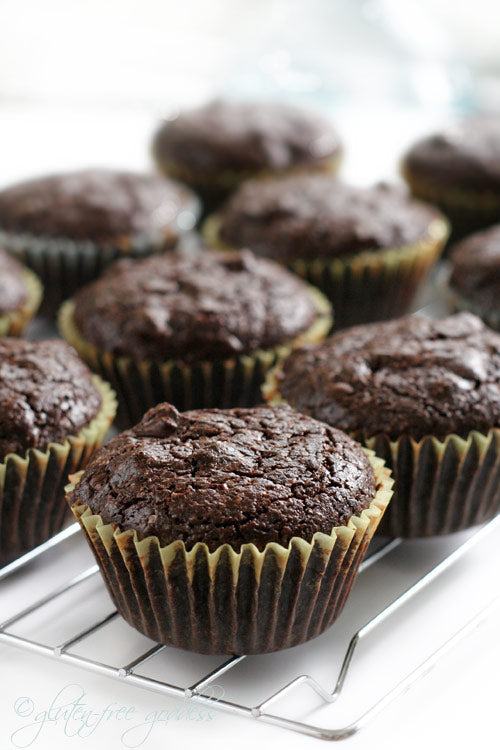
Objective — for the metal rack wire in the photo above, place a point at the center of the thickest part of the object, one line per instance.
(262, 711)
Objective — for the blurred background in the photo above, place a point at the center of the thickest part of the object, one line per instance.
(85, 82)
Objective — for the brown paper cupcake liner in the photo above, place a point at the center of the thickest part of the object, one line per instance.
(13, 323)
(227, 602)
(210, 384)
(370, 286)
(468, 210)
(64, 265)
(440, 486)
(32, 506)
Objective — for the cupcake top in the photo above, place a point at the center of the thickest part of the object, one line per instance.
(195, 307)
(13, 290)
(315, 215)
(475, 266)
(245, 136)
(410, 376)
(232, 477)
(465, 155)
(46, 394)
(98, 204)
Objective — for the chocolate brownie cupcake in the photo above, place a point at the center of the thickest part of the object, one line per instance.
(475, 275)
(236, 531)
(53, 415)
(425, 395)
(194, 329)
(367, 249)
(459, 171)
(215, 147)
(20, 296)
(67, 227)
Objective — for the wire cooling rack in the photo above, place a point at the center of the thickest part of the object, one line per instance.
(265, 710)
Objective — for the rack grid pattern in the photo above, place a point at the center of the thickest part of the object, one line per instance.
(264, 710)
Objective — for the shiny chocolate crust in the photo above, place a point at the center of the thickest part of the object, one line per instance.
(245, 136)
(315, 216)
(46, 394)
(232, 477)
(96, 204)
(475, 274)
(13, 290)
(411, 376)
(466, 155)
(193, 307)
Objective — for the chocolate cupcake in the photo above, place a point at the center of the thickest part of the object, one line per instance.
(425, 395)
(367, 249)
(459, 171)
(68, 227)
(197, 330)
(236, 531)
(53, 415)
(215, 147)
(20, 296)
(475, 275)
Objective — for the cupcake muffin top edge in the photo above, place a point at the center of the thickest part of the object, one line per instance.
(46, 394)
(411, 376)
(13, 287)
(316, 216)
(99, 205)
(231, 476)
(464, 155)
(206, 306)
(245, 135)
(475, 269)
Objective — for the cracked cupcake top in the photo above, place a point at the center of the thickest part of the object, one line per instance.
(197, 307)
(227, 476)
(316, 216)
(245, 136)
(475, 264)
(410, 376)
(46, 394)
(95, 204)
(13, 291)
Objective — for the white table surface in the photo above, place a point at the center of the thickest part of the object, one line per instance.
(454, 706)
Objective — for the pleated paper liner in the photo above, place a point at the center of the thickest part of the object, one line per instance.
(370, 286)
(216, 186)
(440, 486)
(227, 602)
(32, 505)
(461, 304)
(467, 210)
(65, 265)
(217, 384)
(13, 323)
